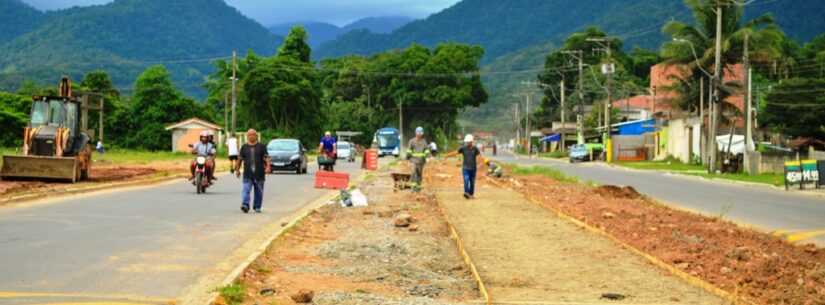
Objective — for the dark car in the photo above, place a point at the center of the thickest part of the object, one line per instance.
(287, 155)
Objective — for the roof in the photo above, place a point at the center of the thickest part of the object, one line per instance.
(799, 142)
(195, 121)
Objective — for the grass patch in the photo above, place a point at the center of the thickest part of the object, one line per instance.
(770, 179)
(666, 165)
(233, 294)
(543, 171)
(555, 155)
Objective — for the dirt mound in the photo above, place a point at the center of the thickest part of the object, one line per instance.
(753, 265)
(622, 192)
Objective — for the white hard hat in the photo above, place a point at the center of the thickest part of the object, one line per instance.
(419, 130)
(204, 133)
(468, 138)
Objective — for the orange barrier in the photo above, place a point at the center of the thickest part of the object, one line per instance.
(331, 180)
(370, 161)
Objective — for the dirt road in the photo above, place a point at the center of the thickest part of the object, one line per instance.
(527, 254)
(359, 256)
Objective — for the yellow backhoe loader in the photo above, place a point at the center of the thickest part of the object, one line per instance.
(56, 143)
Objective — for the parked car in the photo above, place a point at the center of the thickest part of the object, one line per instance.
(585, 152)
(346, 151)
(287, 155)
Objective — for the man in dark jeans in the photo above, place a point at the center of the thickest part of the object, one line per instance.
(471, 155)
(255, 160)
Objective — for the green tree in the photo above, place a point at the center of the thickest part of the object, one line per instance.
(155, 104)
(295, 45)
(796, 107)
(100, 83)
(765, 40)
(282, 94)
(14, 113)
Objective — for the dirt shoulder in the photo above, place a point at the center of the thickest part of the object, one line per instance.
(103, 173)
(527, 254)
(753, 266)
(359, 256)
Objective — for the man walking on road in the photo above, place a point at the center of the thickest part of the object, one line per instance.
(417, 151)
(255, 159)
(232, 151)
(471, 154)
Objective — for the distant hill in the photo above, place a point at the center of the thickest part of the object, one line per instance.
(506, 26)
(319, 32)
(17, 18)
(381, 25)
(322, 32)
(126, 36)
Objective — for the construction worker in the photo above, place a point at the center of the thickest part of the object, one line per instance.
(417, 151)
(493, 170)
(471, 156)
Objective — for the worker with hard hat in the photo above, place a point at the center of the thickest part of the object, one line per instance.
(471, 156)
(417, 152)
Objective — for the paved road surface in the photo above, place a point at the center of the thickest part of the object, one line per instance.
(148, 243)
(764, 208)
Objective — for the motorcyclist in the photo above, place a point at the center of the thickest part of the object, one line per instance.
(206, 149)
(328, 146)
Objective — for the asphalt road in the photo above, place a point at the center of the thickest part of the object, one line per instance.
(142, 244)
(767, 209)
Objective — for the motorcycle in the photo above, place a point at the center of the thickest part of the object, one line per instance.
(326, 161)
(201, 180)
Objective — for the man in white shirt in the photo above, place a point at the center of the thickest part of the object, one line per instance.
(232, 151)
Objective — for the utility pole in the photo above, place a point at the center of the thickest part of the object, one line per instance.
(518, 124)
(527, 127)
(561, 85)
(234, 92)
(607, 69)
(717, 97)
(401, 128)
(226, 111)
(702, 139)
(748, 114)
(578, 54)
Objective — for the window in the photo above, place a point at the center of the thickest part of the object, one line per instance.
(281, 145)
(57, 112)
(40, 114)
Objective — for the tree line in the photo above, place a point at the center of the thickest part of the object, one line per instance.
(787, 82)
(286, 95)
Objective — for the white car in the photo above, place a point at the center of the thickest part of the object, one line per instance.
(346, 151)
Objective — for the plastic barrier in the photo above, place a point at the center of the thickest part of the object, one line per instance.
(331, 180)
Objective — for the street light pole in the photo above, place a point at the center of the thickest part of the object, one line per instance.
(577, 54)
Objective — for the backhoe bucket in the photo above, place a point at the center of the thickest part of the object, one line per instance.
(38, 167)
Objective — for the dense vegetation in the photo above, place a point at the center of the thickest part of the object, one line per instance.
(127, 36)
(286, 95)
(502, 27)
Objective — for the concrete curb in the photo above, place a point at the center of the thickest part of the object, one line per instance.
(203, 292)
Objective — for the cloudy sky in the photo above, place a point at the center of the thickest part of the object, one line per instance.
(269, 12)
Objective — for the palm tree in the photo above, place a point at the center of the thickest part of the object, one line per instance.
(694, 46)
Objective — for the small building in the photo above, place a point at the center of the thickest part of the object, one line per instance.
(188, 132)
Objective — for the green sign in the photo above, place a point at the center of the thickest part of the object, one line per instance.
(801, 172)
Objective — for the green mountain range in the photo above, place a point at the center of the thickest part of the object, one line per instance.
(506, 26)
(518, 34)
(126, 36)
(321, 32)
(17, 18)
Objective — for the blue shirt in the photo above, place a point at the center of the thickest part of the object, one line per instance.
(328, 143)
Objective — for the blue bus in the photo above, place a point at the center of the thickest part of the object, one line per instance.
(388, 141)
